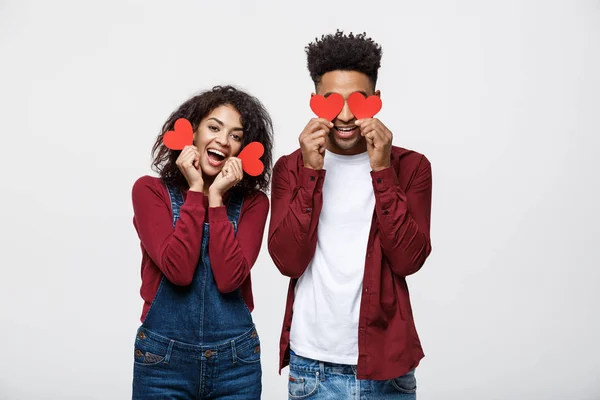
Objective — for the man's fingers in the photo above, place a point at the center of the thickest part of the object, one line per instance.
(315, 126)
(320, 121)
(320, 143)
(318, 134)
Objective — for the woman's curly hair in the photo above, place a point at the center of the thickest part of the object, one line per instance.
(343, 52)
(256, 124)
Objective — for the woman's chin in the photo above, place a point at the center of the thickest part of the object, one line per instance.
(210, 171)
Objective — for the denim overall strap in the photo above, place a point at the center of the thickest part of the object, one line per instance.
(199, 313)
(234, 207)
(226, 314)
(176, 201)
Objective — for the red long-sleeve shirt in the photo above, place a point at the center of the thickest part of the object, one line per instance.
(174, 253)
(399, 243)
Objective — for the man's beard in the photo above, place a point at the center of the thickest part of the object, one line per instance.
(344, 144)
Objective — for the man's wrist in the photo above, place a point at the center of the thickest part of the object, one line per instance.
(377, 168)
(311, 167)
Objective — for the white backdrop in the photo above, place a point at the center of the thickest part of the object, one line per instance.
(503, 97)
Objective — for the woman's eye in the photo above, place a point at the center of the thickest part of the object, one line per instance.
(213, 128)
(236, 137)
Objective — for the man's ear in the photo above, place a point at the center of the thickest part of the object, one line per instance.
(377, 93)
(312, 94)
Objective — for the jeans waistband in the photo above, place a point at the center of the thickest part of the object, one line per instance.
(241, 342)
(310, 365)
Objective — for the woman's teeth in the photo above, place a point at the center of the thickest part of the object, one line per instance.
(217, 153)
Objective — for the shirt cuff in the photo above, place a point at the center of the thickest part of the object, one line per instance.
(311, 179)
(194, 198)
(384, 179)
(217, 214)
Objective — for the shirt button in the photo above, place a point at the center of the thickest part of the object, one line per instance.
(312, 178)
(307, 210)
(378, 180)
(385, 212)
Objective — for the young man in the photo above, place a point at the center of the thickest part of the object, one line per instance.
(349, 222)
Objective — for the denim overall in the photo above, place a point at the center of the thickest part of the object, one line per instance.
(196, 342)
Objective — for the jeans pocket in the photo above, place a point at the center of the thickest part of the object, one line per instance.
(249, 353)
(148, 352)
(405, 383)
(302, 384)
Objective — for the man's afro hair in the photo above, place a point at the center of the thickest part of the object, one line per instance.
(343, 52)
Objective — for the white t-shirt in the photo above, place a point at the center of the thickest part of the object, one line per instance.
(328, 294)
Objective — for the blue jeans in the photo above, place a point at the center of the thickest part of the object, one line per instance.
(316, 380)
(167, 369)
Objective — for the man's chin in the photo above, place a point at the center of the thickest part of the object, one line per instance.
(346, 145)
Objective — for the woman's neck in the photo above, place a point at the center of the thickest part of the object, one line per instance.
(208, 180)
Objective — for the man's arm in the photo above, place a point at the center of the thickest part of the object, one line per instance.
(294, 217)
(404, 218)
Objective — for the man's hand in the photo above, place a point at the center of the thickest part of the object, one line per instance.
(313, 142)
(379, 142)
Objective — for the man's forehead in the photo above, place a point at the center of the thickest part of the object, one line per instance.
(344, 82)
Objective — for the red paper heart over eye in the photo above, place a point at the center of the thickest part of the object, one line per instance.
(182, 136)
(250, 158)
(363, 107)
(327, 107)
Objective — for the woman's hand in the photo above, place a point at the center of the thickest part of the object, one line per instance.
(231, 174)
(188, 163)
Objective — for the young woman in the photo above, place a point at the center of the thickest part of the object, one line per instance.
(201, 226)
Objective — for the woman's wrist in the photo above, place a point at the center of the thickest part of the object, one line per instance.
(197, 188)
(215, 199)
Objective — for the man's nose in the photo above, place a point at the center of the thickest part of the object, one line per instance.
(345, 115)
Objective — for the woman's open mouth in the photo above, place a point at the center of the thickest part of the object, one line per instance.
(215, 157)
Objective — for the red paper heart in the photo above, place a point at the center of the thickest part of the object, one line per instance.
(250, 158)
(327, 107)
(182, 136)
(363, 107)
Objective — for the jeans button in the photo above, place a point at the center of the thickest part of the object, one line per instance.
(141, 335)
(209, 353)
